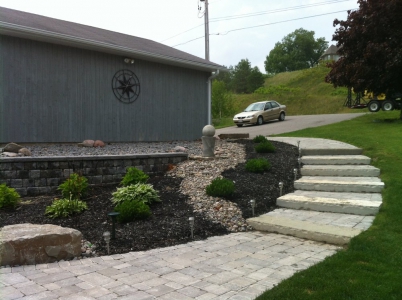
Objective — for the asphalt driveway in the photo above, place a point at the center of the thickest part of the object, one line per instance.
(291, 123)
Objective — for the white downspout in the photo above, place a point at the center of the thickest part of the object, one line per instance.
(209, 82)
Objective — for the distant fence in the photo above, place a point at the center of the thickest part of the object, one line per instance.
(32, 176)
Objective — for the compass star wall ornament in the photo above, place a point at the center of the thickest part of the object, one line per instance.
(126, 86)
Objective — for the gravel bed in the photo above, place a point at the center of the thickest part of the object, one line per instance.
(38, 150)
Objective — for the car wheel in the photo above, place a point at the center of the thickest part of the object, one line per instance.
(374, 106)
(239, 125)
(282, 116)
(387, 105)
(260, 120)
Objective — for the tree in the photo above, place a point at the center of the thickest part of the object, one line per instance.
(298, 50)
(246, 79)
(221, 100)
(370, 43)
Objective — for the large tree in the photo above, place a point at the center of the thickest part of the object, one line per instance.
(246, 79)
(298, 50)
(370, 45)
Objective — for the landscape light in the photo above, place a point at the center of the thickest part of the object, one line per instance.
(106, 236)
(113, 215)
(280, 188)
(252, 202)
(191, 221)
(295, 171)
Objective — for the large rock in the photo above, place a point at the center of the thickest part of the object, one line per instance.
(12, 147)
(87, 143)
(25, 152)
(99, 143)
(26, 244)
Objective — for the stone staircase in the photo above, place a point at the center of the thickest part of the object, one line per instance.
(335, 199)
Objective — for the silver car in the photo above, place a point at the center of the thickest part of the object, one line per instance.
(260, 112)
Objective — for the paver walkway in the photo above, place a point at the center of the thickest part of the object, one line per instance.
(235, 266)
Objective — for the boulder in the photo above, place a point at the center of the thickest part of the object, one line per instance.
(9, 154)
(179, 149)
(12, 147)
(87, 143)
(99, 143)
(25, 152)
(27, 244)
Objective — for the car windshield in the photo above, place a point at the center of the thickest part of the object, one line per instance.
(255, 107)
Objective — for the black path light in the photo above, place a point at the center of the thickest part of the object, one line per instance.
(295, 171)
(113, 215)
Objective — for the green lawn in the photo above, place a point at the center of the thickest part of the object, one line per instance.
(371, 266)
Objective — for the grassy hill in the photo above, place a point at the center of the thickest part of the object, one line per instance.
(304, 92)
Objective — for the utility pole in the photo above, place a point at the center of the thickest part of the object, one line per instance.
(206, 29)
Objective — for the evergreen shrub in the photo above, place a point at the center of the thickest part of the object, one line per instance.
(220, 187)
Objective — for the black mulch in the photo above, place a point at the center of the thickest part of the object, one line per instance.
(168, 224)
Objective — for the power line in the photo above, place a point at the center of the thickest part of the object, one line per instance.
(228, 18)
(243, 28)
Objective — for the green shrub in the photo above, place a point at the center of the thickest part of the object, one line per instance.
(131, 210)
(258, 165)
(134, 176)
(259, 139)
(74, 187)
(140, 192)
(62, 208)
(265, 147)
(9, 198)
(220, 187)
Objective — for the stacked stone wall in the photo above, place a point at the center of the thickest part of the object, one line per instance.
(32, 176)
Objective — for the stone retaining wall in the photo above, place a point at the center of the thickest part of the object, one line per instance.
(41, 175)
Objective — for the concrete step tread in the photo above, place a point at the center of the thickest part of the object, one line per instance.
(341, 180)
(304, 229)
(340, 170)
(340, 167)
(337, 195)
(335, 160)
(327, 204)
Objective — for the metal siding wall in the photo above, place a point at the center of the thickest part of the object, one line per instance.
(61, 94)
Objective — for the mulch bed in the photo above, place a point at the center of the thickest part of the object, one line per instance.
(168, 224)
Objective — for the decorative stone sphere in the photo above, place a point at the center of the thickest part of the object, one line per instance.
(208, 130)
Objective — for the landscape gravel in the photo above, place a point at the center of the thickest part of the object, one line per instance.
(70, 149)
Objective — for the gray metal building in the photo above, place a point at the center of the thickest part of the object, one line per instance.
(66, 82)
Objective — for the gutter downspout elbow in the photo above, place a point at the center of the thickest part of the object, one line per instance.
(209, 82)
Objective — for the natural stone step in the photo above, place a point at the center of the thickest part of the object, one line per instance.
(340, 170)
(339, 184)
(347, 203)
(332, 151)
(318, 226)
(335, 160)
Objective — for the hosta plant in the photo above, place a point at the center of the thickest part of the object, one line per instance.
(141, 192)
(63, 208)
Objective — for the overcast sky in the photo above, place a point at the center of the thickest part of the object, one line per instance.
(160, 20)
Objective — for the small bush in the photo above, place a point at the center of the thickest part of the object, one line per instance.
(258, 165)
(132, 210)
(220, 187)
(259, 139)
(63, 208)
(74, 187)
(139, 192)
(265, 147)
(9, 198)
(134, 176)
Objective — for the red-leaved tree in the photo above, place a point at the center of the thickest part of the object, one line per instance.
(370, 45)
